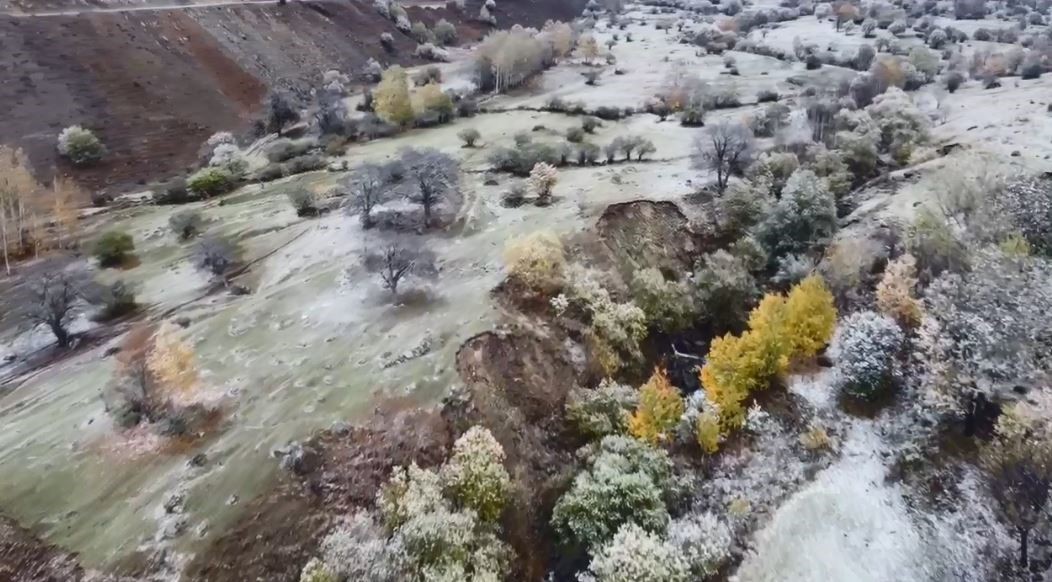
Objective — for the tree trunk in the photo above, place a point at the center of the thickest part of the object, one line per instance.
(61, 335)
(3, 235)
(1024, 535)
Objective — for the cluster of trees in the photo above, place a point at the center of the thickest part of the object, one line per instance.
(33, 217)
(506, 59)
(427, 524)
(527, 153)
(156, 383)
(425, 177)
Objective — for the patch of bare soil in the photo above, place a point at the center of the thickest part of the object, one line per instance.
(155, 84)
(517, 383)
(342, 468)
(26, 558)
(647, 233)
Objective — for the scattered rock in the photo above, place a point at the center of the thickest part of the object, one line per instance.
(175, 502)
(421, 349)
(198, 460)
(296, 458)
(183, 322)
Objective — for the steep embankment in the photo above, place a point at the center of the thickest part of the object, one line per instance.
(155, 83)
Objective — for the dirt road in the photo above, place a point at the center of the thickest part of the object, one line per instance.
(151, 8)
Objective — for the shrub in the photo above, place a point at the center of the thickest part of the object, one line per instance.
(723, 289)
(616, 328)
(391, 98)
(301, 164)
(304, 202)
(767, 96)
(935, 246)
(80, 146)
(623, 481)
(575, 135)
(387, 41)
(636, 555)
(604, 410)
(668, 304)
(537, 261)
(703, 540)
(172, 192)
(186, 224)
(953, 81)
(693, 116)
(113, 248)
(436, 540)
(810, 317)
(925, 61)
(357, 549)
(815, 438)
(116, 300)
(1027, 205)
(895, 292)
(270, 172)
(542, 179)
(982, 328)
(435, 102)
(589, 124)
(284, 149)
(773, 118)
(475, 476)
(864, 349)
(803, 219)
(215, 255)
(316, 571)
(522, 159)
(587, 153)
(420, 33)
(660, 407)
(469, 136)
(707, 431)
(864, 57)
(445, 32)
(771, 170)
(210, 182)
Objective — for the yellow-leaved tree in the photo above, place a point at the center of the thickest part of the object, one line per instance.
(895, 292)
(810, 316)
(391, 98)
(780, 328)
(660, 407)
(537, 260)
(173, 365)
(431, 98)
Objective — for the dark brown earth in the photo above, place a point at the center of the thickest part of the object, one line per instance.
(155, 84)
(279, 531)
(24, 558)
(517, 383)
(645, 233)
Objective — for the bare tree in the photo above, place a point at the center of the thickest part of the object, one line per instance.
(394, 260)
(367, 185)
(215, 255)
(435, 175)
(53, 296)
(726, 148)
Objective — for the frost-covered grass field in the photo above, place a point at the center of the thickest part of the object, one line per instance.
(313, 343)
